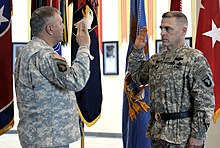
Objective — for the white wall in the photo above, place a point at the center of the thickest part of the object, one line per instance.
(213, 137)
(163, 6)
(20, 22)
(111, 117)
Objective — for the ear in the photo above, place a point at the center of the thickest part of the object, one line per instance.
(184, 31)
(49, 29)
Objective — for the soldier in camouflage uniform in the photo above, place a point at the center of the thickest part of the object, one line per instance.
(46, 85)
(181, 86)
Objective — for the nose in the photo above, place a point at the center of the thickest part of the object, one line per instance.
(162, 32)
(63, 25)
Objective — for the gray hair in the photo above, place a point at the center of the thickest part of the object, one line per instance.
(40, 17)
(178, 15)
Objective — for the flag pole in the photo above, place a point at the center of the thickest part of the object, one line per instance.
(82, 139)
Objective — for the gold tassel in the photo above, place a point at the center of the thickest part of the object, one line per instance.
(144, 106)
(132, 114)
(136, 107)
(134, 99)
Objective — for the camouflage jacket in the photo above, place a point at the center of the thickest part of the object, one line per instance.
(45, 90)
(178, 81)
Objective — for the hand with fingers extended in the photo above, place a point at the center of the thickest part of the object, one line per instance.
(140, 41)
(194, 143)
(82, 36)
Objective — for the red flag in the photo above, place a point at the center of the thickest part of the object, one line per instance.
(77, 3)
(208, 41)
(176, 5)
(56, 3)
(6, 89)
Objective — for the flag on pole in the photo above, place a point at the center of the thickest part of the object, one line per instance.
(89, 99)
(208, 41)
(176, 5)
(63, 11)
(6, 83)
(136, 114)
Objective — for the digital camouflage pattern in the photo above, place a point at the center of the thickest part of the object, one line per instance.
(164, 144)
(178, 81)
(45, 89)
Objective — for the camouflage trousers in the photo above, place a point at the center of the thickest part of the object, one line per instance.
(35, 146)
(63, 146)
(164, 144)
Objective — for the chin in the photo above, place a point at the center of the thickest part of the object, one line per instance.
(164, 44)
(61, 39)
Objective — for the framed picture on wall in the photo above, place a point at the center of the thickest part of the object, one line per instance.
(189, 41)
(16, 48)
(160, 47)
(110, 58)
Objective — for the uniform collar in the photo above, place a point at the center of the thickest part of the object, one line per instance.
(42, 42)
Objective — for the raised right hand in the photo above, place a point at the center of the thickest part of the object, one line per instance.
(140, 41)
(194, 143)
(82, 36)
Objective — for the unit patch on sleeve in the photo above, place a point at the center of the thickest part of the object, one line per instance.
(59, 62)
(201, 74)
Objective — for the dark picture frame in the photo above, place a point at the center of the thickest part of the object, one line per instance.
(16, 49)
(110, 58)
(189, 41)
(159, 45)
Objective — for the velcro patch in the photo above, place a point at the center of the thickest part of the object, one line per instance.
(58, 57)
(200, 72)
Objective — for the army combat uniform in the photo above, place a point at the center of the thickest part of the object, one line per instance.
(182, 100)
(45, 90)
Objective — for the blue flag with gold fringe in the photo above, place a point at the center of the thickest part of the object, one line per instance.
(136, 114)
(89, 99)
(6, 84)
